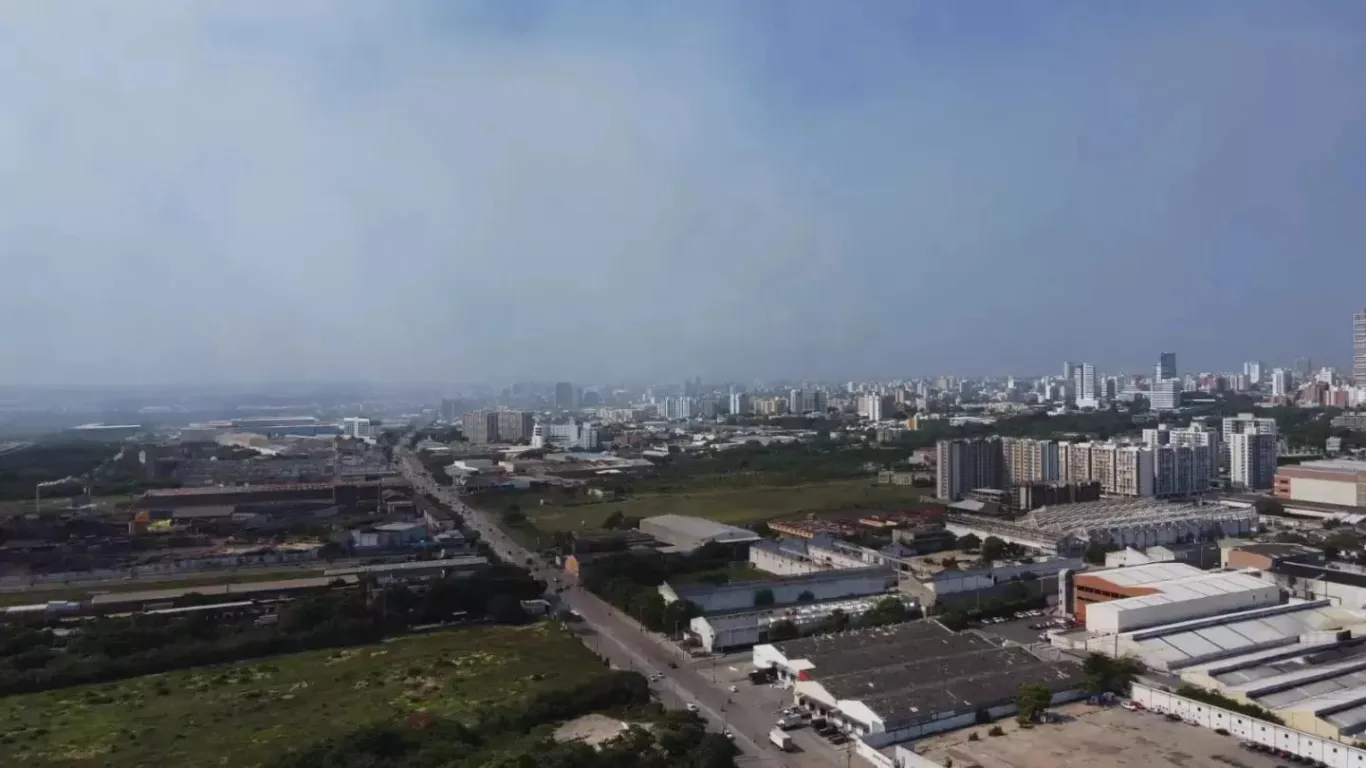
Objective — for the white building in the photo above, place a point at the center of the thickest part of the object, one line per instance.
(356, 426)
(1169, 600)
(870, 406)
(1253, 371)
(739, 403)
(678, 408)
(1086, 386)
(580, 435)
(1281, 384)
(1252, 460)
(1165, 395)
(1243, 422)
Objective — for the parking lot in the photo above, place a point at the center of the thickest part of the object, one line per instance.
(1094, 736)
(1017, 630)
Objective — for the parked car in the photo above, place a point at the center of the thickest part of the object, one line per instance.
(1221, 731)
(1172, 716)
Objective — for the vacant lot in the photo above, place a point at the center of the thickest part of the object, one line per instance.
(727, 505)
(1093, 737)
(251, 713)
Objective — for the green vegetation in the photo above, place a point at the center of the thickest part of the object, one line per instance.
(34, 658)
(557, 510)
(254, 714)
(1219, 700)
(1032, 699)
(1109, 675)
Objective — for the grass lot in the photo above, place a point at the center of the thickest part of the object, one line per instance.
(48, 592)
(251, 713)
(727, 505)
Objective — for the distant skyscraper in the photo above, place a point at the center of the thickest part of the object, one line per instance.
(564, 395)
(1253, 370)
(795, 401)
(1166, 366)
(1358, 348)
(1086, 384)
(1280, 382)
(1165, 395)
(739, 403)
(1246, 423)
(1068, 370)
(451, 409)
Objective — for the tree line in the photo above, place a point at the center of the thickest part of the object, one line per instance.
(35, 657)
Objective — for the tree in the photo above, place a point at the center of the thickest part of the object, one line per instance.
(613, 521)
(506, 609)
(837, 621)
(1095, 552)
(888, 610)
(806, 596)
(1032, 699)
(993, 548)
(1105, 674)
(968, 542)
(514, 517)
(779, 631)
(763, 597)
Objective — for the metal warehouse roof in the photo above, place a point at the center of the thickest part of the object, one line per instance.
(1246, 630)
(1147, 574)
(700, 528)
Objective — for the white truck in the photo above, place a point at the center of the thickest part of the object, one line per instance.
(792, 720)
(780, 739)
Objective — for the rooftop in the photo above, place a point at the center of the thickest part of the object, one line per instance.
(1184, 643)
(700, 528)
(1147, 574)
(1279, 550)
(117, 598)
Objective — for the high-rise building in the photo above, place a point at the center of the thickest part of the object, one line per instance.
(1240, 424)
(1030, 461)
(1133, 471)
(514, 425)
(480, 427)
(451, 409)
(1358, 349)
(1074, 461)
(1165, 395)
(564, 396)
(1252, 460)
(1280, 382)
(1166, 366)
(964, 465)
(870, 406)
(1181, 470)
(795, 401)
(356, 426)
(1086, 386)
(1253, 370)
(1069, 369)
(678, 408)
(739, 403)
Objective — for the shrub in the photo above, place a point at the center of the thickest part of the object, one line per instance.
(995, 730)
(974, 737)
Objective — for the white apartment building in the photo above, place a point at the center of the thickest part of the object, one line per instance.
(1253, 371)
(1244, 423)
(356, 426)
(1074, 462)
(1281, 384)
(1031, 461)
(1359, 348)
(739, 403)
(1252, 460)
(678, 408)
(1165, 395)
(870, 406)
(1086, 386)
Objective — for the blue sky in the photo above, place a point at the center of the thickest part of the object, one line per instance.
(246, 191)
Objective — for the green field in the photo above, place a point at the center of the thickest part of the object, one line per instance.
(252, 713)
(727, 505)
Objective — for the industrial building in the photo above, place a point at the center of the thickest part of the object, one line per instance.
(1334, 481)
(390, 536)
(723, 632)
(1123, 522)
(892, 684)
(1125, 599)
(794, 557)
(824, 585)
(115, 602)
(1200, 554)
(686, 532)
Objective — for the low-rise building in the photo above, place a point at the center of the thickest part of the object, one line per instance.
(725, 632)
(1123, 599)
(811, 587)
(688, 532)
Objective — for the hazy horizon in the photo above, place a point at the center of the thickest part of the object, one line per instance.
(243, 191)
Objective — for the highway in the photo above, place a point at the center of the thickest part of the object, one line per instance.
(627, 645)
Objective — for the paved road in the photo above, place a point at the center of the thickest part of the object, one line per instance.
(627, 645)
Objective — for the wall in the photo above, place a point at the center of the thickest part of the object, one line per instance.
(1332, 753)
(907, 758)
(1342, 492)
(734, 598)
(1111, 617)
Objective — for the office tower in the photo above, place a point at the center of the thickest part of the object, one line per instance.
(1253, 370)
(1240, 424)
(964, 465)
(1030, 461)
(795, 401)
(1303, 366)
(1166, 366)
(480, 427)
(1280, 382)
(1111, 389)
(1165, 395)
(1358, 349)
(564, 396)
(1252, 460)
(1069, 369)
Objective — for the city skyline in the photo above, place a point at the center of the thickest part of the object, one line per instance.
(484, 191)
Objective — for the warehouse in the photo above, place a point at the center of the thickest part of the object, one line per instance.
(689, 533)
(1137, 523)
(1341, 482)
(891, 684)
(744, 629)
(824, 585)
(1123, 599)
(114, 602)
